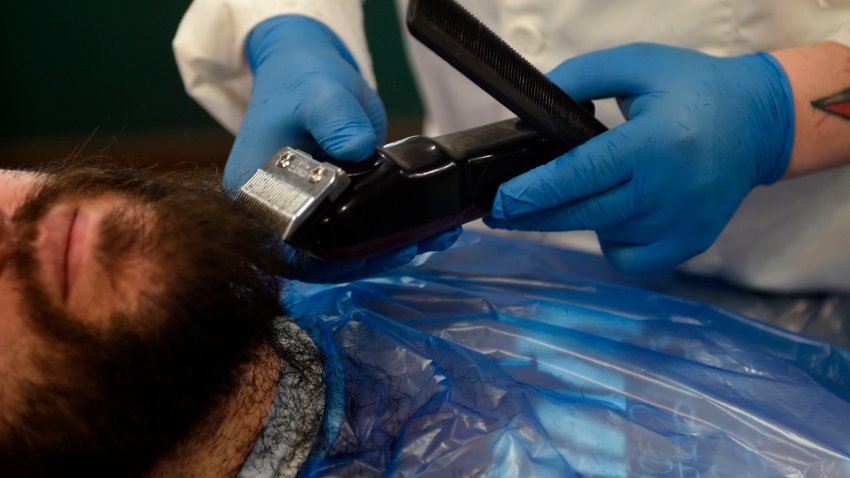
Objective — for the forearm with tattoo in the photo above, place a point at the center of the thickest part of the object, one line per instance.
(819, 75)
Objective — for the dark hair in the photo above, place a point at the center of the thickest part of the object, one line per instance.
(120, 400)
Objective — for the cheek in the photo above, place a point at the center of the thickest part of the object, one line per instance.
(126, 289)
(12, 329)
(16, 346)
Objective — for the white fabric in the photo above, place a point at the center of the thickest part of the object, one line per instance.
(786, 237)
(210, 47)
(546, 32)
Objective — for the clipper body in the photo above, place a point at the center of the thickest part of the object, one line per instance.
(418, 187)
(407, 192)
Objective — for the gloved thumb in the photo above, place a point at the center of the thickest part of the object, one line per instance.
(615, 72)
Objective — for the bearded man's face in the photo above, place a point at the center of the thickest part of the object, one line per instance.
(128, 305)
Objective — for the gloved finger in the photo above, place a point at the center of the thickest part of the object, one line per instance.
(302, 267)
(647, 259)
(592, 168)
(374, 108)
(310, 269)
(405, 255)
(619, 71)
(402, 256)
(263, 131)
(604, 210)
(377, 265)
(338, 122)
(439, 242)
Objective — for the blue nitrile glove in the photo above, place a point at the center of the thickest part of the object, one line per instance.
(701, 132)
(308, 94)
(308, 269)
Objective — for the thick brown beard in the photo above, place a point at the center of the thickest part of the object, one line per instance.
(109, 403)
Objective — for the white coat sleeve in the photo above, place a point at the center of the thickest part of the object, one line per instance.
(842, 36)
(840, 32)
(210, 47)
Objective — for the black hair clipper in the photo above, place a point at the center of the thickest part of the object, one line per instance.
(418, 187)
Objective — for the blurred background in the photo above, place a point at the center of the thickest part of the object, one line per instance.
(99, 77)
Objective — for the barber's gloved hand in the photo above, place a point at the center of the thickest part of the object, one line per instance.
(701, 132)
(309, 94)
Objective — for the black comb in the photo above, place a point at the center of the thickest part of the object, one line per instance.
(473, 49)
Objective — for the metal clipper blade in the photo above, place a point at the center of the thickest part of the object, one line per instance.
(288, 188)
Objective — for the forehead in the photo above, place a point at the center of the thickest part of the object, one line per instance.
(15, 186)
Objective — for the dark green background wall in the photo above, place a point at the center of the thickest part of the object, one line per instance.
(73, 68)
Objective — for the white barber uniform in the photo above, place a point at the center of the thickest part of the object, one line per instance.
(791, 236)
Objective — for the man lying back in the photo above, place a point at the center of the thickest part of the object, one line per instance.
(135, 326)
(141, 334)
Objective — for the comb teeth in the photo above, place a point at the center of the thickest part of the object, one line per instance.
(474, 50)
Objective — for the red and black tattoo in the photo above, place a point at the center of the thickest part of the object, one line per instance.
(837, 104)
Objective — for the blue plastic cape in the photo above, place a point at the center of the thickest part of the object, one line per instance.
(486, 361)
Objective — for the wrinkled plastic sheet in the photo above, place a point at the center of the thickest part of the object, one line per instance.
(496, 358)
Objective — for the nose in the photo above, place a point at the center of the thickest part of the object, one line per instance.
(5, 226)
(5, 236)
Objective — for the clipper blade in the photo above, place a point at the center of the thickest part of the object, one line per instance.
(288, 188)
